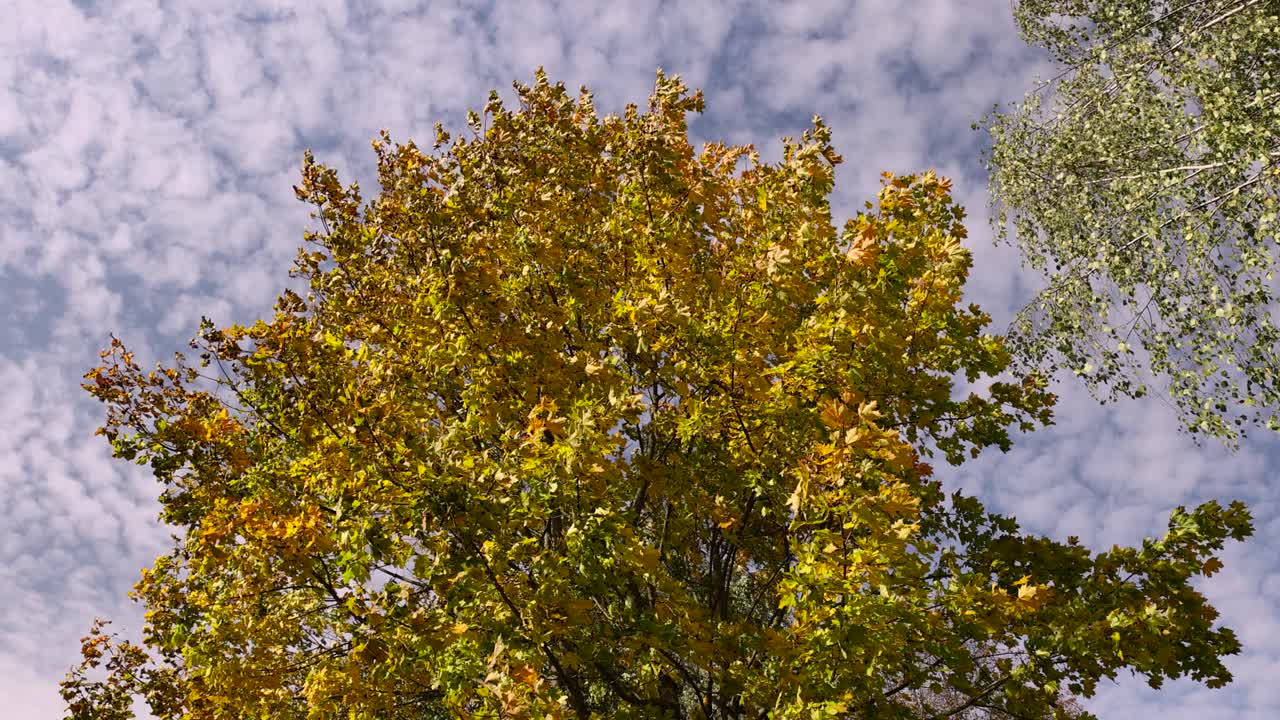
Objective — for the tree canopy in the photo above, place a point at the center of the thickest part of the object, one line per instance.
(575, 421)
(1143, 181)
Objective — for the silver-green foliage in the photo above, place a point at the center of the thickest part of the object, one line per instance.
(1143, 183)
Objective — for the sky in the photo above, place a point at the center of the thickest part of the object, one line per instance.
(147, 156)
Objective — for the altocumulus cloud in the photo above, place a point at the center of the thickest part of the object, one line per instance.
(147, 152)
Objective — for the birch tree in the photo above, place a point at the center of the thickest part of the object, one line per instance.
(1142, 183)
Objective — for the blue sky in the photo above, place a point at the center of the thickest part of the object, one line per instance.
(147, 154)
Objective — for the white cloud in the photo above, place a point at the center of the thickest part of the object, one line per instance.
(147, 152)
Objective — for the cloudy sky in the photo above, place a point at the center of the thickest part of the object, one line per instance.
(147, 153)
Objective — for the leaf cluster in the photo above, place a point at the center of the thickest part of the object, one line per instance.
(1143, 183)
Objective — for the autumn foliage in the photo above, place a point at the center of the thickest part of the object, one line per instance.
(576, 421)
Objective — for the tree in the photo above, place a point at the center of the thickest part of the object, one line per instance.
(1143, 182)
(574, 422)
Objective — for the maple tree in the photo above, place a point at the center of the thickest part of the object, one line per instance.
(1143, 182)
(574, 421)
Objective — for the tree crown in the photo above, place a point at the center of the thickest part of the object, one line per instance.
(574, 421)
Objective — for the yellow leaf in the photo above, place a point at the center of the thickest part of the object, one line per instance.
(835, 414)
(868, 412)
(649, 559)
(864, 250)
(526, 675)
(798, 495)
(1033, 596)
